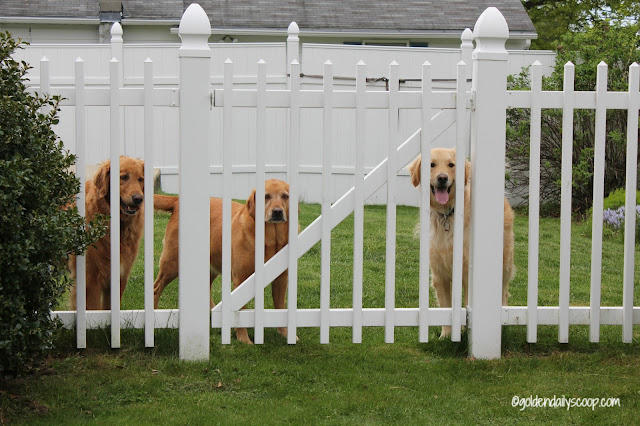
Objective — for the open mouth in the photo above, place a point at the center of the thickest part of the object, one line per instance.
(441, 194)
(128, 209)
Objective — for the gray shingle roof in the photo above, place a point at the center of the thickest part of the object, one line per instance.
(321, 15)
(50, 8)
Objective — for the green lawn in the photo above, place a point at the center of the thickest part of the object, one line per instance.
(341, 383)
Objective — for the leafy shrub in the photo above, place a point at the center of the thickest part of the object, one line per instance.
(619, 47)
(617, 199)
(36, 232)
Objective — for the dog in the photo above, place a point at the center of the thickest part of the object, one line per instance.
(276, 231)
(443, 196)
(98, 256)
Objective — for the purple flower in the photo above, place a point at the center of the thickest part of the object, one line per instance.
(615, 217)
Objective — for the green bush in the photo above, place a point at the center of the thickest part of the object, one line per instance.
(619, 47)
(617, 199)
(37, 231)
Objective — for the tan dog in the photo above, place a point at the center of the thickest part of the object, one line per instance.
(243, 241)
(443, 196)
(98, 256)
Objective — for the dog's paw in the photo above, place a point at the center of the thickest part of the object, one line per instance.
(284, 333)
(446, 332)
(243, 336)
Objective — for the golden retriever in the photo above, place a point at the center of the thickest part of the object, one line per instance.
(443, 196)
(98, 256)
(276, 216)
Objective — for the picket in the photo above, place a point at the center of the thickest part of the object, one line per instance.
(149, 139)
(325, 255)
(462, 138)
(114, 185)
(565, 200)
(226, 203)
(81, 265)
(425, 202)
(358, 212)
(598, 200)
(261, 130)
(390, 256)
(294, 154)
(534, 203)
(630, 203)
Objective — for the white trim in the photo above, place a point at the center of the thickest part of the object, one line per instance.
(53, 21)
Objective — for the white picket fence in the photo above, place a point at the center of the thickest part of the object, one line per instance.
(438, 110)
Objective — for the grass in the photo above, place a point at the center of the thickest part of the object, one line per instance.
(341, 383)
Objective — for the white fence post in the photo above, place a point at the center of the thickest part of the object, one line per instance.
(194, 56)
(488, 130)
(293, 44)
(466, 49)
(117, 48)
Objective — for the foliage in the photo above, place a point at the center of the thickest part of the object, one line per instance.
(553, 19)
(618, 199)
(36, 232)
(616, 45)
(614, 212)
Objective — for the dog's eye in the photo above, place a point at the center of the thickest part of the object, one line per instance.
(141, 179)
(285, 196)
(267, 196)
(124, 177)
(433, 165)
(451, 165)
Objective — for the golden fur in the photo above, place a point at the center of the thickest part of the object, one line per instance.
(98, 256)
(442, 182)
(243, 241)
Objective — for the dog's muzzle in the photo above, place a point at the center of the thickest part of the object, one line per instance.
(277, 216)
(441, 190)
(131, 209)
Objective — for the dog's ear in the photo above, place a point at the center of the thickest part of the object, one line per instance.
(467, 172)
(414, 170)
(251, 204)
(101, 179)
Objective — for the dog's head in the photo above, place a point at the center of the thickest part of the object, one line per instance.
(443, 176)
(276, 201)
(131, 184)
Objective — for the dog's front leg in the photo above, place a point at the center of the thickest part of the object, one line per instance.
(443, 293)
(241, 333)
(279, 293)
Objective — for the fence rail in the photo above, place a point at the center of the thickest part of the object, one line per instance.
(476, 114)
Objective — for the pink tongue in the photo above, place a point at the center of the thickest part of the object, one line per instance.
(442, 196)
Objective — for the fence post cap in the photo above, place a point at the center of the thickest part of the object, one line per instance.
(116, 32)
(293, 28)
(467, 36)
(491, 31)
(194, 29)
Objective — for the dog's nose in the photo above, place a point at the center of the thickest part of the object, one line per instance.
(442, 179)
(277, 215)
(137, 199)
